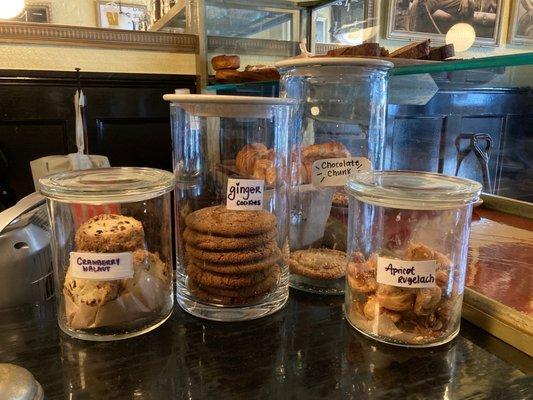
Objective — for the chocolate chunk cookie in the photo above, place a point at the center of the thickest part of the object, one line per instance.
(211, 279)
(230, 257)
(110, 233)
(211, 242)
(219, 221)
(318, 263)
(238, 269)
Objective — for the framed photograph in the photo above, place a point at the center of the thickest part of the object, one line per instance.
(35, 12)
(521, 27)
(120, 15)
(423, 19)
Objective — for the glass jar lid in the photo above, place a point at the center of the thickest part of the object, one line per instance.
(17, 383)
(369, 62)
(413, 190)
(107, 185)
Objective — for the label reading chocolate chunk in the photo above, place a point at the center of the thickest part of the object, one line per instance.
(411, 274)
(335, 171)
(245, 194)
(101, 266)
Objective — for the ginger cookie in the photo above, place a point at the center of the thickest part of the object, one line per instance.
(238, 269)
(261, 287)
(230, 257)
(110, 233)
(211, 242)
(318, 263)
(224, 300)
(211, 279)
(219, 221)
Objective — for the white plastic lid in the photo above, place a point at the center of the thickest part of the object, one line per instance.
(324, 61)
(208, 105)
(107, 185)
(413, 190)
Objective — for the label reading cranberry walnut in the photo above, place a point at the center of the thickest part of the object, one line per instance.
(101, 266)
(245, 194)
(410, 274)
(335, 171)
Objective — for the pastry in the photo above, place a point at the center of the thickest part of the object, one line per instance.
(224, 61)
(249, 154)
(110, 233)
(259, 73)
(264, 169)
(228, 257)
(90, 292)
(210, 242)
(361, 50)
(211, 279)
(228, 76)
(340, 199)
(415, 50)
(318, 263)
(237, 268)
(315, 152)
(441, 53)
(217, 220)
(152, 264)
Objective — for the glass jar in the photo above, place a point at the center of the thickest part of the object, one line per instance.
(112, 250)
(340, 129)
(230, 163)
(407, 249)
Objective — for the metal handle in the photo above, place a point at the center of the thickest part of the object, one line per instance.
(481, 145)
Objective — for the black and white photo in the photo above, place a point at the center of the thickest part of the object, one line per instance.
(411, 19)
(522, 22)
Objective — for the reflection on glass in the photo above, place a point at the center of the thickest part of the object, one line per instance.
(235, 20)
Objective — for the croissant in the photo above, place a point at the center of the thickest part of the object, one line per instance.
(264, 169)
(244, 162)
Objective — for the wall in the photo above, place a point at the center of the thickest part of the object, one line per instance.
(66, 58)
(77, 12)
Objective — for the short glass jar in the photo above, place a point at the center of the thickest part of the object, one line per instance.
(112, 250)
(339, 129)
(230, 163)
(407, 250)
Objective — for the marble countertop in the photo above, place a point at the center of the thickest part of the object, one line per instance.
(305, 351)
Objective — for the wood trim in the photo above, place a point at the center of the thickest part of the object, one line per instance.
(252, 46)
(32, 33)
(95, 79)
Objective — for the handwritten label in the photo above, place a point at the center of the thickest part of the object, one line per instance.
(411, 274)
(101, 266)
(335, 171)
(245, 194)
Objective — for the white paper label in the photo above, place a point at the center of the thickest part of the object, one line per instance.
(101, 266)
(411, 274)
(245, 194)
(335, 171)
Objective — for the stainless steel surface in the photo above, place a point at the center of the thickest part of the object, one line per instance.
(17, 383)
(26, 261)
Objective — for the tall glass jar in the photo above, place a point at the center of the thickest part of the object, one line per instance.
(112, 250)
(407, 250)
(231, 166)
(340, 129)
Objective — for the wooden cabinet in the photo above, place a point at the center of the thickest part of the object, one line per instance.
(127, 120)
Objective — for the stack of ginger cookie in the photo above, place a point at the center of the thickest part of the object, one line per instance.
(232, 256)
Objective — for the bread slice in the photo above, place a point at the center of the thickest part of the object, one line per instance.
(441, 53)
(365, 49)
(414, 51)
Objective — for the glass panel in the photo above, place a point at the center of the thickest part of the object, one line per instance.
(344, 22)
(235, 20)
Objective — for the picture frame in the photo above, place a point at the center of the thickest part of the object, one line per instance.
(521, 24)
(36, 13)
(126, 16)
(419, 19)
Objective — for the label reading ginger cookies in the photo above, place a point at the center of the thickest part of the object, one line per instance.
(335, 171)
(410, 274)
(245, 194)
(101, 266)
